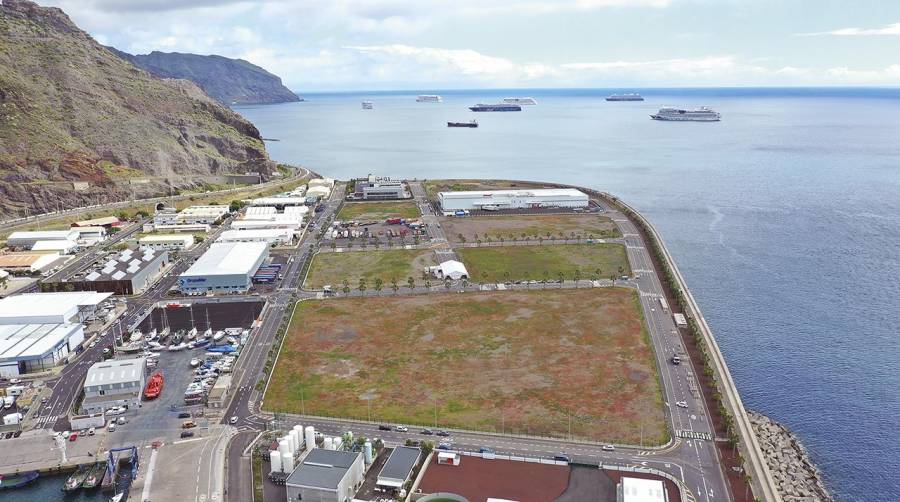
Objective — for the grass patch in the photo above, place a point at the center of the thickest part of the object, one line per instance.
(531, 227)
(378, 210)
(334, 268)
(514, 361)
(499, 264)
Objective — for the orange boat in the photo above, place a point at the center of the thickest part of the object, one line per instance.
(154, 386)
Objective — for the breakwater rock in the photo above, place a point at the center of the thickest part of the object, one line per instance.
(797, 477)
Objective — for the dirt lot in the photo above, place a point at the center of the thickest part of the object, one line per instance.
(378, 210)
(550, 226)
(512, 263)
(433, 187)
(516, 362)
(333, 268)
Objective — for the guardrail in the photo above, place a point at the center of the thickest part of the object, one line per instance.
(761, 477)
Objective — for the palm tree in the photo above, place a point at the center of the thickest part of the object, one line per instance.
(549, 234)
(484, 276)
(411, 283)
(346, 287)
(540, 241)
(362, 285)
(379, 284)
(576, 275)
(428, 285)
(394, 285)
(333, 245)
(506, 275)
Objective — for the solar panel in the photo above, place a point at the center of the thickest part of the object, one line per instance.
(93, 276)
(119, 275)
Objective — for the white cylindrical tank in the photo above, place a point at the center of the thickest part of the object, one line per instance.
(293, 444)
(284, 446)
(275, 460)
(368, 451)
(338, 443)
(310, 437)
(329, 443)
(298, 432)
(287, 462)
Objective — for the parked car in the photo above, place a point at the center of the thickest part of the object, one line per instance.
(485, 450)
(444, 446)
(184, 414)
(383, 427)
(233, 420)
(187, 424)
(73, 436)
(401, 428)
(91, 431)
(111, 427)
(187, 434)
(562, 457)
(427, 432)
(121, 421)
(442, 433)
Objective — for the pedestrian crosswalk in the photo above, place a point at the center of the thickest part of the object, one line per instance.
(694, 435)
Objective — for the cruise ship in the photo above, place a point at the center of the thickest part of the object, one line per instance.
(499, 107)
(702, 114)
(429, 98)
(367, 105)
(631, 96)
(520, 101)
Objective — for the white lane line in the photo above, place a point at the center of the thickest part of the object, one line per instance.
(145, 494)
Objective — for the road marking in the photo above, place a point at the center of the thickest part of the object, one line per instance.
(694, 435)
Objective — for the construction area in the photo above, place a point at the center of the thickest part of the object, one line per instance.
(565, 363)
(538, 227)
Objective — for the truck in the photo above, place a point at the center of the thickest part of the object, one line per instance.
(680, 320)
(663, 304)
(394, 221)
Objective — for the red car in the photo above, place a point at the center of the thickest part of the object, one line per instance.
(73, 436)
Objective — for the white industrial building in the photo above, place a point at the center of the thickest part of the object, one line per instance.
(169, 242)
(60, 246)
(278, 222)
(641, 490)
(90, 235)
(28, 261)
(26, 240)
(398, 468)
(378, 188)
(326, 476)
(40, 330)
(513, 199)
(194, 215)
(278, 202)
(176, 227)
(268, 235)
(113, 383)
(450, 269)
(226, 267)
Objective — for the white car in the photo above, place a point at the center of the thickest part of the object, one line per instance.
(681, 404)
(115, 411)
(401, 428)
(15, 380)
(608, 447)
(233, 420)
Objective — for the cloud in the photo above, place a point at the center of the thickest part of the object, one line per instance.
(891, 29)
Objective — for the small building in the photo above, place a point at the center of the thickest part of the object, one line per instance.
(116, 382)
(219, 392)
(641, 490)
(278, 222)
(168, 242)
(398, 468)
(106, 222)
(326, 476)
(271, 236)
(127, 273)
(175, 227)
(226, 267)
(25, 240)
(378, 188)
(448, 458)
(208, 215)
(532, 198)
(27, 261)
(450, 269)
(680, 320)
(62, 247)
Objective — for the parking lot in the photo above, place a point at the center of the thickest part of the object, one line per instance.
(221, 314)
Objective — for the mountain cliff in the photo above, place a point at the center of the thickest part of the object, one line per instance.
(79, 125)
(231, 81)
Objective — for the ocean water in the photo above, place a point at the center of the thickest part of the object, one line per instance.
(784, 217)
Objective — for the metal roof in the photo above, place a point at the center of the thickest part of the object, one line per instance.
(53, 245)
(522, 192)
(28, 341)
(115, 371)
(106, 220)
(399, 466)
(643, 490)
(47, 304)
(43, 235)
(323, 469)
(228, 258)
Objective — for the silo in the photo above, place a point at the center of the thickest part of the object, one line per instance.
(297, 431)
(329, 443)
(287, 462)
(310, 437)
(368, 451)
(275, 460)
(291, 442)
(284, 446)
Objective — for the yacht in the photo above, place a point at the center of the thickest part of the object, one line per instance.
(520, 101)
(631, 96)
(499, 107)
(702, 114)
(429, 98)
(368, 105)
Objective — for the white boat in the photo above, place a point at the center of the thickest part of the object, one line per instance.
(136, 336)
(152, 334)
(630, 96)
(218, 336)
(164, 333)
(702, 114)
(368, 105)
(429, 98)
(195, 362)
(520, 101)
(173, 348)
(192, 334)
(208, 333)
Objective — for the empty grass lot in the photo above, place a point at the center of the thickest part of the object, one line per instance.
(334, 268)
(378, 210)
(531, 227)
(515, 361)
(513, 263)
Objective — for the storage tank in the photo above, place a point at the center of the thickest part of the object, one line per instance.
(298, 430)
(284, 446)
(310, 437)
(275, 460)
(329, 443)
(287, 462)
(338, 443)
(368, 451)
(291, 443)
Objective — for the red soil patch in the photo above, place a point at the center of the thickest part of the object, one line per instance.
(477, 479)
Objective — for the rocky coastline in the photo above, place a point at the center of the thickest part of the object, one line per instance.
(797, 478)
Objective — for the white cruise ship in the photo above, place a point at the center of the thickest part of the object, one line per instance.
(367, 105)
(702, 114)
(520, 101)
(429, 98)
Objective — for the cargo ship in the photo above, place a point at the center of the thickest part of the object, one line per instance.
(367, 105)
(428, 98)
(463, 124)
(77, 478)
(95, 477)
(154, 386)
(18, 480)
(520, 101)
(498, 107)
(631, 96)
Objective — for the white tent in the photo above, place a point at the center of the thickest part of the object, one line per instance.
(450, 269)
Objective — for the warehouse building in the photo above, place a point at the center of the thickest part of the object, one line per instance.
(271, 236)
(398, 468)
(321, 182)
(641, 490)
(513, 199)
(199, 228)
(106, 221)
(40, 330)
(194, 215)
(113, 383)
(28, 261)
(25, 240)
(326, 476)
(168, 242)
(127, 273)
(89, 236)
(278, 202)
(317, 192)
(278, 222)
(226, 267)
(377, 188)
(62, 247)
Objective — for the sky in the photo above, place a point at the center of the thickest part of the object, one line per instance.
(335, 45)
